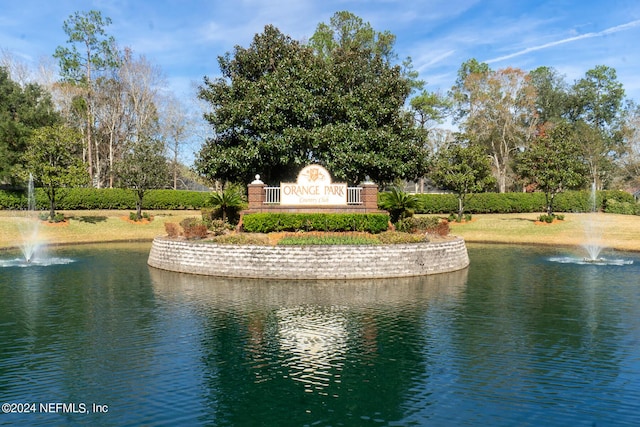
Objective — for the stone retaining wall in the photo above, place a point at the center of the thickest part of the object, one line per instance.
(308, 262)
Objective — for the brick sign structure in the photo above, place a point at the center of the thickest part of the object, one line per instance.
(313, 191)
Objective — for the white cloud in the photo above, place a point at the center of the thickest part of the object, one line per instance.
(527, 50)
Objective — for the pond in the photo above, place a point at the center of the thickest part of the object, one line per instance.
(522, 337)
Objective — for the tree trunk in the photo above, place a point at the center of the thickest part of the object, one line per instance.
(111, 160)
(52, 203)
(139, 205)
(460, 208)
(89, 145)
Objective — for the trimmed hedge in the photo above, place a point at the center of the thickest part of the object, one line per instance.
(14, 200)
(568, 201)
(611, 201)
(618, 207)
(270, 222)
(107, 198)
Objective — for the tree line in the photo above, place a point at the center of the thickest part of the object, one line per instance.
(342, 99)
(106, 121)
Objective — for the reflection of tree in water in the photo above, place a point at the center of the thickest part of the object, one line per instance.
(292, 353)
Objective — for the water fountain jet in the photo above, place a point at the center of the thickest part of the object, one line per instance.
(30, 228)
(593, 234)
(593, 241)
(31, 243)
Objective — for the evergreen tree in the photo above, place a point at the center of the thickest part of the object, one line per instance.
(53, 157)
(281, 105)
(22, 110)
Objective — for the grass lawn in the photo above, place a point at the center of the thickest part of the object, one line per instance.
(90, 226)
(620, 232)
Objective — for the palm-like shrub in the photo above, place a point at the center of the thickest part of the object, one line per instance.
(227, 203)
(399, 204)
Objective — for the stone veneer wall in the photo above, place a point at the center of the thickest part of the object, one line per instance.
(308, 262)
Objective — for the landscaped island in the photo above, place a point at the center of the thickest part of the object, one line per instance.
(311, 229)
(309, 261)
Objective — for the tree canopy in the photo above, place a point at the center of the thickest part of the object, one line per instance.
(79, 67)
(22, 110)
(551, 164)
(463, 170)
(281, 105)
(143, 168)
(342, 99)
(52, 158)
(496, 110)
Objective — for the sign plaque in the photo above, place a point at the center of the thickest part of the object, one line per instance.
(314, 187)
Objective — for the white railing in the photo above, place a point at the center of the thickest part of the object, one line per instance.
(353, 195)
(272, 195)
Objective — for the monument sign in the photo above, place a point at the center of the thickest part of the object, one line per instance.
(314, 187)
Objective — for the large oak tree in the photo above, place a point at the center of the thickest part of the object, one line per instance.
(280, 105)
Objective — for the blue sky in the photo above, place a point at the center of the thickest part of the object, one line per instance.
(185, 37)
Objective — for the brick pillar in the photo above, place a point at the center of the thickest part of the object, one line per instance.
(255, 193)
(369, 196)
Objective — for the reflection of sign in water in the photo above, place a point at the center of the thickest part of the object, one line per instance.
(315, 341)
(314, 187)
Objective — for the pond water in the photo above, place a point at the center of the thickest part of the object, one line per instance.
(518, 338)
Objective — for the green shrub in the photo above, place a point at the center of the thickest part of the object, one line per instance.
(406, 225)
(242, 239)
(58, 217)
(546, 218)
(307, 240)
(436, 203)
(270, 222)
(219, 227)
(14, 200)
(618, 207)
(134, 216)
(399, 204)
(418, 224)
(480, 203)
(174, 199)
(107, 198)
(549, 218)
(398, 237)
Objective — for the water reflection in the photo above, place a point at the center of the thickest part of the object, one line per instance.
(539, 343)
(277, 293)
(322, 351)
(514, 340)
